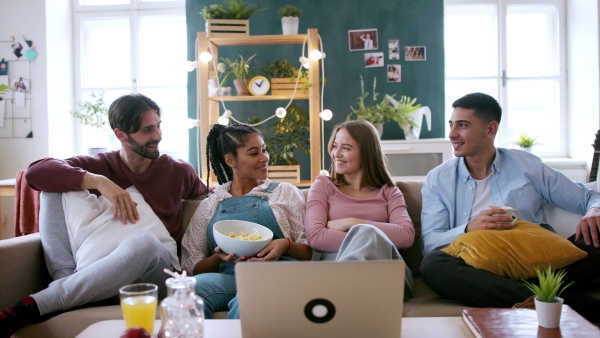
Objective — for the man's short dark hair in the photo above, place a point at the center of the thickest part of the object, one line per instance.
(486, 107)
(126, 112)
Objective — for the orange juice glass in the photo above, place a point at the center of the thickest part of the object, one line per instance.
(138, 303)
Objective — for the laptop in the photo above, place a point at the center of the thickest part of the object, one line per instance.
(321, 298)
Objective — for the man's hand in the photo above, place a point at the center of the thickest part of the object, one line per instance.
(344, 224)
(120, 199)
(485, 221)
(588, 228)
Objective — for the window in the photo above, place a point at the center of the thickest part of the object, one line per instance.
(127, 46)
(513, 50)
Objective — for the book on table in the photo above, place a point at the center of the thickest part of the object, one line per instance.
(499, 322)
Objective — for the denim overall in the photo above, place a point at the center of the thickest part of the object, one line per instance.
(245, 208)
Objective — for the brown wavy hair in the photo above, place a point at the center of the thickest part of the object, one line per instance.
(373, 161)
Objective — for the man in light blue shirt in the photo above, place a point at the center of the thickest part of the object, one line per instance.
(456, 196)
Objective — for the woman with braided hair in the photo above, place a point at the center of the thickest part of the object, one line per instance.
(239, 158)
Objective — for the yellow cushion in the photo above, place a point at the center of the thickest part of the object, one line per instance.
(515, 253)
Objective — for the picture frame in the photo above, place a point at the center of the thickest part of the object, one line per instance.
(363, 39)
(415, 53)
(394, 73)
(374, 60)
(394, 49)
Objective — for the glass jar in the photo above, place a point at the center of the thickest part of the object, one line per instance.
(182, 312)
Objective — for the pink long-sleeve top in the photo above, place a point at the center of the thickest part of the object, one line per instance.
(164, 184)
(385, 208)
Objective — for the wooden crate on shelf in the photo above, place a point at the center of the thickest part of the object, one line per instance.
(285, 173)
(285, 86)
(227, 28)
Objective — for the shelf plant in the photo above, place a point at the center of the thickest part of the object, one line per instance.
(286, 135)
(290, 19)
(403, 108)
(289, 10)
(233, 9)
(283, 69)
(242, 72)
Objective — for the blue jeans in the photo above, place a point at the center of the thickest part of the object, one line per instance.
(217, 290)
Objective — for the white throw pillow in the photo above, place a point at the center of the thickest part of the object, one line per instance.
(564, 221)
(93, 233)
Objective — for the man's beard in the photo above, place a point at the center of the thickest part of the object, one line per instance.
(143, 150)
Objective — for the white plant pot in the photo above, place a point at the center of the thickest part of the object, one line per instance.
(412, 133)
(379, 128)
(527, 149)
(289, 24)
(548, 314)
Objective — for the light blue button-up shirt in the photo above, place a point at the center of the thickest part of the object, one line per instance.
(518, 179)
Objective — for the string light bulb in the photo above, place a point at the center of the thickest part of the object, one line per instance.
(224, 119)
(326, 115)
(315, 55)
(206, 57)
(305, 62)
(191, 65)
(324, 172)
(281, 112)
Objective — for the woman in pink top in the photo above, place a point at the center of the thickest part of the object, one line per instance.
(358, 213)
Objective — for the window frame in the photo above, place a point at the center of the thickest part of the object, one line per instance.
(132, 12)
(502, 6)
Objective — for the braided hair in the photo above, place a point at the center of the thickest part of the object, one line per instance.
(223, 140)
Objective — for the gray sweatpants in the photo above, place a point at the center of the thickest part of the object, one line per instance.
(366, 242)
(138, 259)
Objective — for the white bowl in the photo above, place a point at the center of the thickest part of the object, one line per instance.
(238, 246)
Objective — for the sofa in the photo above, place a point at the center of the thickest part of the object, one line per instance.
(24, 272)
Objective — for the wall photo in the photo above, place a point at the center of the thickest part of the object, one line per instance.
(363, 39)
(414, 53)
(394, 49)
(374, 59)
(394, 73)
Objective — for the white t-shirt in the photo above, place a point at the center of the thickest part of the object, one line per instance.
(482, 199)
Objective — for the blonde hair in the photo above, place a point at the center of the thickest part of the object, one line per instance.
(373, 161)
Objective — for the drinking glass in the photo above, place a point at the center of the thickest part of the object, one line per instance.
(138, 303)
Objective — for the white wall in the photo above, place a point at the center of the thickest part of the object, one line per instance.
(49, 27)
(584, 77)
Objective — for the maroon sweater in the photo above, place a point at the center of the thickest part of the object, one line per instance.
(164, 184)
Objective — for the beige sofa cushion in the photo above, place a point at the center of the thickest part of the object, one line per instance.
(412, 195)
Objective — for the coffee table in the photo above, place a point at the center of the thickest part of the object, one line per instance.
(422, 327)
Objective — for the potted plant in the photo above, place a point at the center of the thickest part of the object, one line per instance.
(229, 19)
(94, 113)
(290, 18)
(409, 116)
(548, 304)
(283, 77)
(284, 137)
(376, 112)
(242, 72)
(526, 142)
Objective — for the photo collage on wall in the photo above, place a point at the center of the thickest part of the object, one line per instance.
(16, 56)
(367, 40)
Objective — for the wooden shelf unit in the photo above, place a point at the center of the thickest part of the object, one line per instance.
(209, 107)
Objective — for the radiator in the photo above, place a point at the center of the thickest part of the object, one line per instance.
(577, 175)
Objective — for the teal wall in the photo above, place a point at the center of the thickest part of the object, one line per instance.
(413, 22)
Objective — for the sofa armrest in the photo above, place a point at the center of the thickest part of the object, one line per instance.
(23, 268)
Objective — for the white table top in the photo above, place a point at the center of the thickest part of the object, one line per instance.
(422, 327)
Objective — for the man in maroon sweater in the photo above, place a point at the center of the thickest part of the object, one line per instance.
(161, 180)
